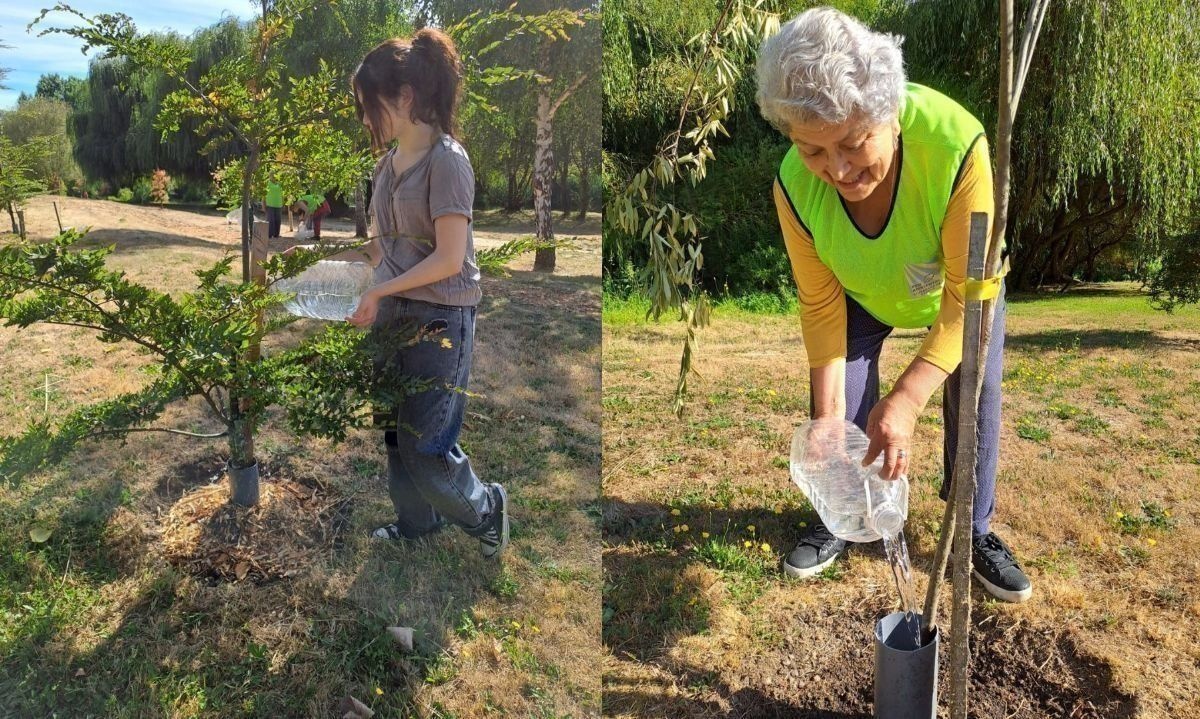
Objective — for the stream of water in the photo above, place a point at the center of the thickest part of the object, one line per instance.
(897, 555)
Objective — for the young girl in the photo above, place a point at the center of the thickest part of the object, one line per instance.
(425, 273)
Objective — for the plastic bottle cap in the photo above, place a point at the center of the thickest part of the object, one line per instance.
(887, 520)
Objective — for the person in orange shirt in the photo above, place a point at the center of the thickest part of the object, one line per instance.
(874, 200)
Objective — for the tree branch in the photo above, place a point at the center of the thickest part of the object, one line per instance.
(567, 93)
(122, 331)
(102, 432)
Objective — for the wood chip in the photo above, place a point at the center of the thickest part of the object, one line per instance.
(355, 709)
(403, 635)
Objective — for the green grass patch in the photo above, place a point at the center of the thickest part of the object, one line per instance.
(1029, 428)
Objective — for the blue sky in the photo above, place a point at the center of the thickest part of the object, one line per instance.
(28, 56)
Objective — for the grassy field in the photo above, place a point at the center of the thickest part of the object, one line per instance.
(102, 620)
(1097, 493)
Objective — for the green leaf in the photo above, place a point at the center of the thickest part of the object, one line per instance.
(39, 534)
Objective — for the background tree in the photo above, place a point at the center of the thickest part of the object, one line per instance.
(18, 180)
(46, 118)
(1095, 199)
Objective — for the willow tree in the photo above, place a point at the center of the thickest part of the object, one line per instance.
(1105, 148)
(247, 98)
(642, 209)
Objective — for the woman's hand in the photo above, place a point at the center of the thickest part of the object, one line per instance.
(368, 308)
(890, 429)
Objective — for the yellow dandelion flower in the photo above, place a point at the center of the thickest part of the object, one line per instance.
(748, 544)
(778, 510)
(766, 548)
(675, 512)
(704, 534)
(1152, 542)
(750, 528)
(516, 625)
(535, 629)
(1167, 513)
(683, 528)
(675, 529)
(1120, 515)
(772, 392)
(378, 691)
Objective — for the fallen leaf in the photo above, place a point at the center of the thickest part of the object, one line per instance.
(40, 534)
(80, 673)
(241, 569)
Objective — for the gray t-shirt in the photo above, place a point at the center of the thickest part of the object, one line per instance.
(403, 209)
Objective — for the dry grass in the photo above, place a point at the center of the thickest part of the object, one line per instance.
(128, 611)
(1097, 494)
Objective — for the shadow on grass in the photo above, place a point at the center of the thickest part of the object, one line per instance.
(817, 659)
(134, 241)
(1097, 339)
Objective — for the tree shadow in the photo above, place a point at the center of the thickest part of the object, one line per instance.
(136, 241)
(820, 663)
(1098, 339)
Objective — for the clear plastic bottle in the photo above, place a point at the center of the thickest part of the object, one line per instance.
(328, 290)
(853, 501)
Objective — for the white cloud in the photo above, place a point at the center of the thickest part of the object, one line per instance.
(28, 56)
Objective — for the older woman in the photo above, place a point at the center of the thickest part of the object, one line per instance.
(875, 199)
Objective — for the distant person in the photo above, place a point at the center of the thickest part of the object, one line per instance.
(273, 206)
(875, 199)
(406, 92)
(312, 207)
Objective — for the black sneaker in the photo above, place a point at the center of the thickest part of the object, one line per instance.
(816, 550)
(493, 534)
(994, 565)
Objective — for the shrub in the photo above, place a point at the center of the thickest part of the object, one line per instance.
(124, 195)
(160, 187)
(142, 190)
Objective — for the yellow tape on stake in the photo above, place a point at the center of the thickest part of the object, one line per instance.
(983, 289)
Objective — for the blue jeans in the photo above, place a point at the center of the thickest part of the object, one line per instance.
(864, 340)
(430, 479)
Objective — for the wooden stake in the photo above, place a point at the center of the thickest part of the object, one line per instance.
(970, 380)
(21, 223)
(57, 217)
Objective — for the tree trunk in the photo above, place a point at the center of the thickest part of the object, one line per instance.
(512, 200)
(543, 173)
(241, 438)
(360, 210)
(12, 216)
(564, 179)
(585, 186)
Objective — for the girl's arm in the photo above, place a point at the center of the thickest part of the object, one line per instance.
(446, 260)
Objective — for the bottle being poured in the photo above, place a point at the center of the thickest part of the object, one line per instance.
(853, 501)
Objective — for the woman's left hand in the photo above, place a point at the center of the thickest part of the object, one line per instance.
(890, 429)
(368, 308)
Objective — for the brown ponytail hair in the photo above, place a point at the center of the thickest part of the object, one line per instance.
(428, 63)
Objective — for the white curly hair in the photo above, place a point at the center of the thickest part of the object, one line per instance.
(825, 66)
